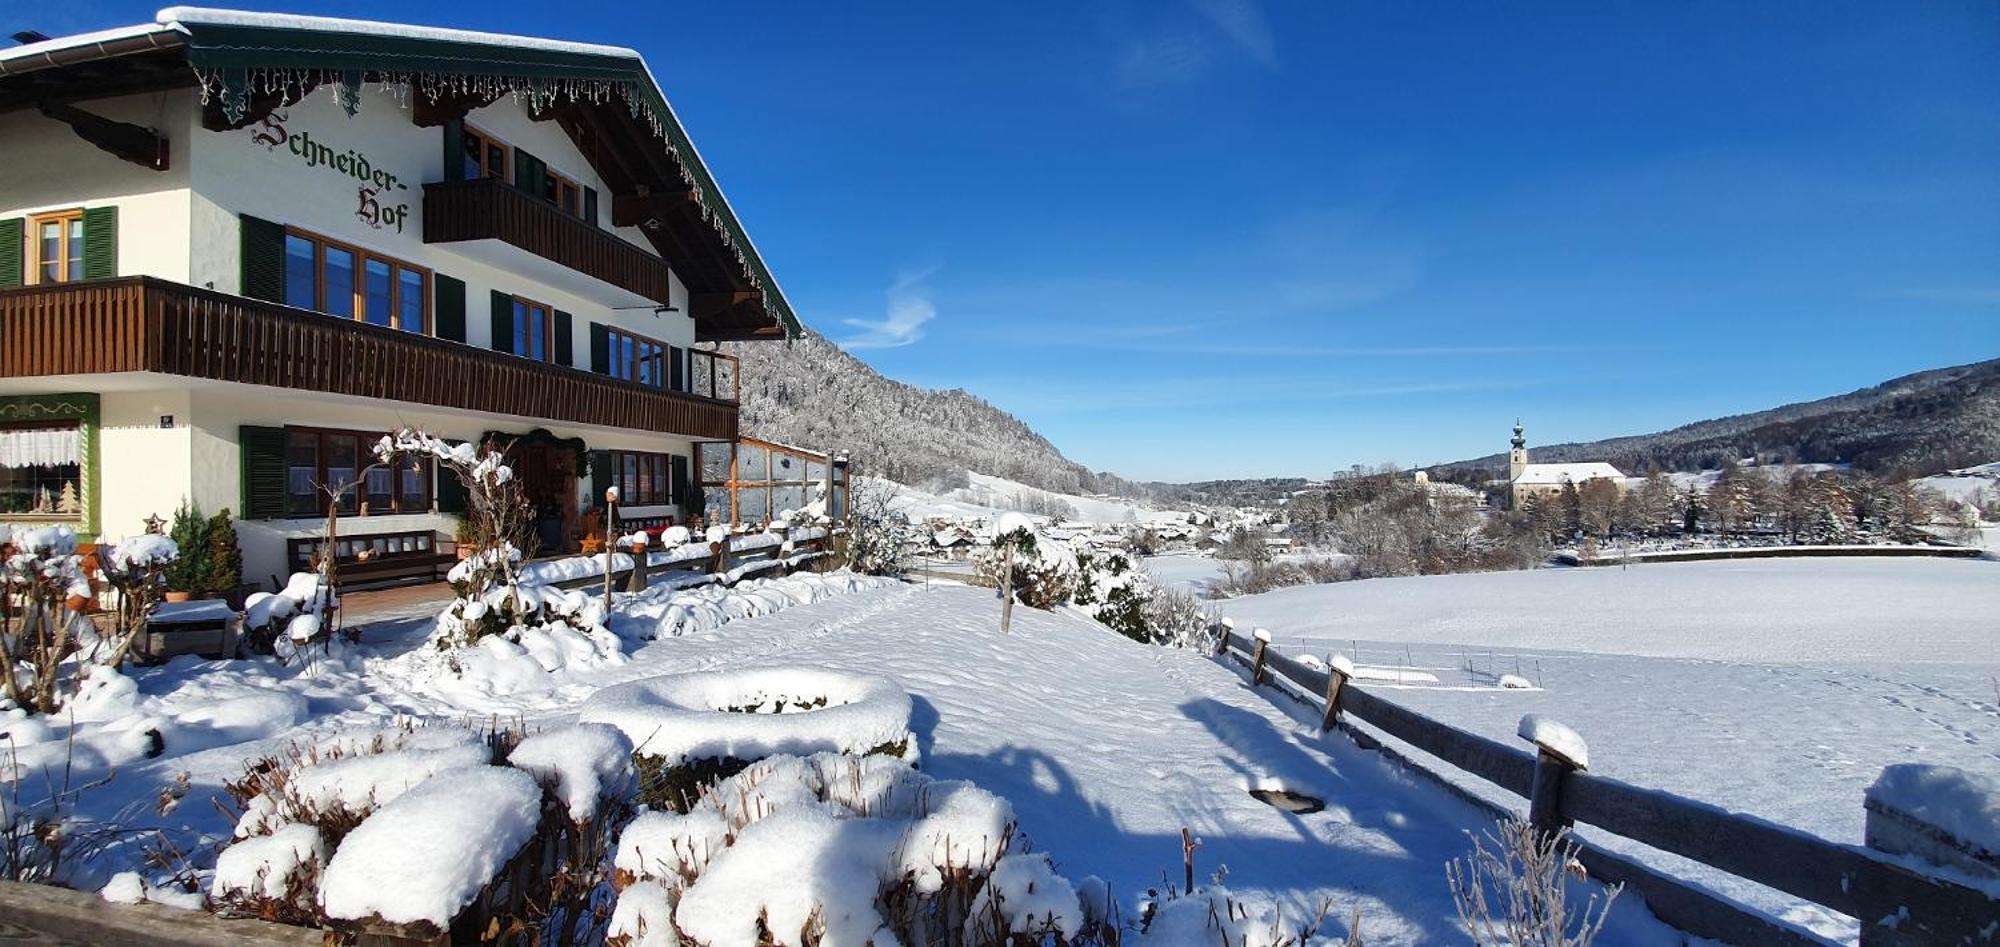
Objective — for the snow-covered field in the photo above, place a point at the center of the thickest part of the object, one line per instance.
(1779, 688)
(1189, 571)
(1106, 748)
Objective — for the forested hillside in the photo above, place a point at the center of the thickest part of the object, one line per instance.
(1925, 423)
(813, 394)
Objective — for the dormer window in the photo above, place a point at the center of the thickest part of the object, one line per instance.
(485, 155)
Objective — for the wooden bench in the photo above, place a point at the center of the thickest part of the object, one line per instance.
(371, 559)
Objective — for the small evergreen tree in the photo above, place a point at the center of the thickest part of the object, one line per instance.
(190, 571)
(225, 557)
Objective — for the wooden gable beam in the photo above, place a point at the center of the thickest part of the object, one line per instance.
(141, 146)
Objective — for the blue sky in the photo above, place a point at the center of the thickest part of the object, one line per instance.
(1206, 238)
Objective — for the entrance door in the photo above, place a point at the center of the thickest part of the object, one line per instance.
(548, 479)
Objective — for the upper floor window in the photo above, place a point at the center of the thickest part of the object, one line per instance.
(637, 358)
(534, 332)
(346, 281)
(485, 155)
(563, 192)
(57, 241)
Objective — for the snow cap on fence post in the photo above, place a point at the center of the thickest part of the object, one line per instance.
(1257, 670)
(1556, 740)
(1559, 751)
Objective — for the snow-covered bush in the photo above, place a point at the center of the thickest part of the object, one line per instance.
(296, 622)
(1175, 618)
(1516, 893)
(671, 609)
(690, 729)
(879, 537)
(1045, 570)
(48, 648)
(413, 830)
(838, 851)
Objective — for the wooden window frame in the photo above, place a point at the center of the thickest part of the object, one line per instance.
(362, 257)
(364, 448)
(488, 140)
(548, 331)
(558, 184)
(660, 465)
(662, 373)
(67, 217)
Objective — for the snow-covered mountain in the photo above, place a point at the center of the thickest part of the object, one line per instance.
(811, 393)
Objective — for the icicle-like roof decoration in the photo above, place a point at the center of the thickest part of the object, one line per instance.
(235, 54)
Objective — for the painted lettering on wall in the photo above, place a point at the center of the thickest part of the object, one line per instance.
(375, 198)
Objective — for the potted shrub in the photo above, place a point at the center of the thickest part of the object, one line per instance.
(188, 575)
(462, 537)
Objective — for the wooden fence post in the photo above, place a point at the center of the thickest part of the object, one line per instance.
(1558, 752)
(636, 581)
(1338, 670)
(1257, 669)
(1006, 589)
(1223, 630)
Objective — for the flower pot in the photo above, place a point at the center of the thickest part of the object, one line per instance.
(179, 596)
(464, 552)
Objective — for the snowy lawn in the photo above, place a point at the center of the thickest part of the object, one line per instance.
(1105, 748)
(1185, 571)
(1778, 688)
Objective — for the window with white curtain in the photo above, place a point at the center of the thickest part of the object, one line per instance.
(41, 469)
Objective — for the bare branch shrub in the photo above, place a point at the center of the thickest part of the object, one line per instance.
(1516, 892)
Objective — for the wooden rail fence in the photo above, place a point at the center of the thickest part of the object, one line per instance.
(1896, 904)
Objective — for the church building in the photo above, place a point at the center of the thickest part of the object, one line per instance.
(1526, 481)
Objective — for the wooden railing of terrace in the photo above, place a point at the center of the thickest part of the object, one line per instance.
(1895, 903)
(491, 209)
(142, 324)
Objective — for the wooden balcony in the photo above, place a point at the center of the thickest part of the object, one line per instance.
(491, 209)
(142, 324)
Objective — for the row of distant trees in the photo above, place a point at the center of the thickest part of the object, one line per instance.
(1791, 504)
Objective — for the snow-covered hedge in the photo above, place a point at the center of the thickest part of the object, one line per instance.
(752, 714)
(838, 851)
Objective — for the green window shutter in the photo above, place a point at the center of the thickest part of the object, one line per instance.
(450, 489)
(677, 478)
(590, 206)
(503, 322)
(263, 260)
(454, 150)
(100, 242)
(263, 462)
(448, 308)
(600, 349)
(600, 475)
(564, 348)
(13, 251)
(676, 368)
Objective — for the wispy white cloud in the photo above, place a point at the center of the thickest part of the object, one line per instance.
(1244, 24)
(1175, 48)
(908, 308)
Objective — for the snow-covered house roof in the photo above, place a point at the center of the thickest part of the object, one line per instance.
(1559, 474)
(244, 62)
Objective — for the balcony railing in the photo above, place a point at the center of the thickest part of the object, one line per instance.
(491, 209)
(142, 324)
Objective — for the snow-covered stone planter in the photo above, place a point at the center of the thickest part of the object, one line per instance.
(690, 729)
(837, 851)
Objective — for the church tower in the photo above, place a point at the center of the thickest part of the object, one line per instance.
(1517, 459)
